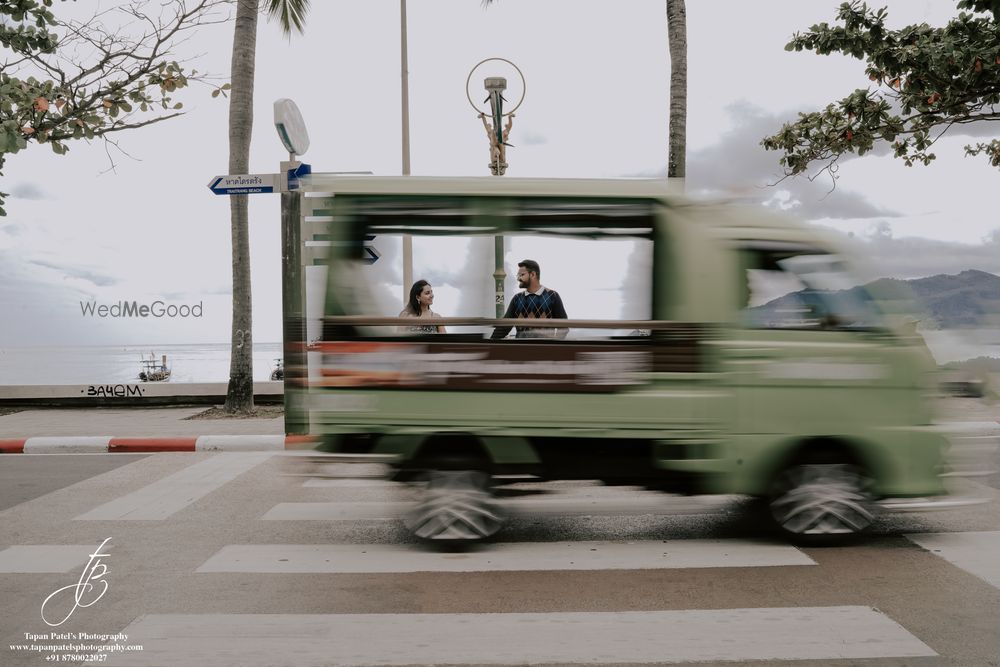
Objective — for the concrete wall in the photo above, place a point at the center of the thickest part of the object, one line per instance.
(143, 393)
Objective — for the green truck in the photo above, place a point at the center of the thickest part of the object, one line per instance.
(748, 361)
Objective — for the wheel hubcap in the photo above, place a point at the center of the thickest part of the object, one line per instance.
(826, 499)
(455, 505)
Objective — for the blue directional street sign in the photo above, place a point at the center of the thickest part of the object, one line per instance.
(252, 184)
(243, 184)
(369, 254)
(295, 174)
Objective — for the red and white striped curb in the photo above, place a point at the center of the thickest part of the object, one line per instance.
(110, 444)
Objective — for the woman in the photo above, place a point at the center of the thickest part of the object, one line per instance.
(419, 305)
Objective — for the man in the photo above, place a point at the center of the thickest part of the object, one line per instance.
(535, 302)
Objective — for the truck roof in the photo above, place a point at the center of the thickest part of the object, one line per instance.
(647, 188)
(728, 219)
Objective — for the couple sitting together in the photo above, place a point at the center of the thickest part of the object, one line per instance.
(535, 302)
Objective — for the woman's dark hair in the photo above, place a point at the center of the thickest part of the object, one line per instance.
(413, 305)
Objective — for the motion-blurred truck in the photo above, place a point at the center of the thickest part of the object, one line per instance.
(733, 358)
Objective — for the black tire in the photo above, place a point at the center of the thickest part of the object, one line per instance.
(456, 505)
(821, 503)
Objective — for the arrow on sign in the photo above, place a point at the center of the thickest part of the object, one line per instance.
(243, 184)
(369, 254)
(295, 174)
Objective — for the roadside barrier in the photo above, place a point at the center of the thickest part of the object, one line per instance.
(110, 444)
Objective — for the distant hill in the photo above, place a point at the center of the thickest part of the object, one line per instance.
(970, 299)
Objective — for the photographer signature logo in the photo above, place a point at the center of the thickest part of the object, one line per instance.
(90, 588)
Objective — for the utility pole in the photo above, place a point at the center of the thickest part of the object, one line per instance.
(405, 96)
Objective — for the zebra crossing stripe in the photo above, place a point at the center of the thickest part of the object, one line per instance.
(533, 556)
(54, 558)
(173, 493)
(348, 511)
(781, 633)
(350, 483)
(975, 552)
(545, 506)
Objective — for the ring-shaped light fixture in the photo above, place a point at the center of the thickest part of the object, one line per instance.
(519, 73)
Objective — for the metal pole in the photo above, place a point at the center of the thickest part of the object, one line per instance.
(294, 339)
(499, 275)
(405, 87)
(405, 94)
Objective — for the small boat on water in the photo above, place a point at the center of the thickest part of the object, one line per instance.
(153, 370)
(279, 372)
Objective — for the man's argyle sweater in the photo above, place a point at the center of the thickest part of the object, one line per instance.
(527, 305)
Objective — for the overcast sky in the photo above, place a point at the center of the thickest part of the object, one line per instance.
(596, 105)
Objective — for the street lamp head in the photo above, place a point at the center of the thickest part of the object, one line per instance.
(495, 84)
(493, 121)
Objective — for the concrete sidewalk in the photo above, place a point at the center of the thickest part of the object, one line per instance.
(80, 430)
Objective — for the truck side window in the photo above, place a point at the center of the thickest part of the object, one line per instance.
(804, 290)
(779, 300)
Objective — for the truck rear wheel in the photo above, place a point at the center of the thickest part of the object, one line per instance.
(822, 503)
(455, 506)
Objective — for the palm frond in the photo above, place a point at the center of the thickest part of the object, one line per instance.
(290, 14)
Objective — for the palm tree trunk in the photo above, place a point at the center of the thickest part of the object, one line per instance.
(677, 36)
(239, 395)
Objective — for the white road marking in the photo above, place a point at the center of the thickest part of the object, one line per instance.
(350, 483)
(975, 552)
(556, 505)
(533, 556)
(781, 633)
(28, 558)
(605, 505)
(379, 511)
(173, 493)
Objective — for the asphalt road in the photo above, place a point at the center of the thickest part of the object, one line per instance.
(23, 478)
(236, 559)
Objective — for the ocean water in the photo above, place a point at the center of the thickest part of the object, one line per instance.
(960, 344)
(120, 364)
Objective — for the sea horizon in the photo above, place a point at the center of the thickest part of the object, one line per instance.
(209, 362)
(121, 363)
